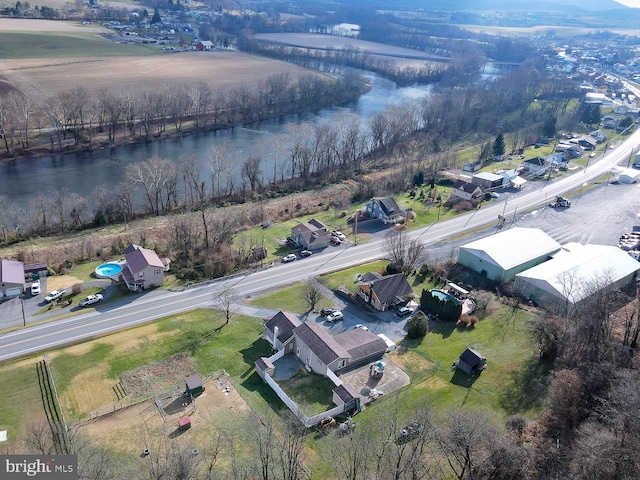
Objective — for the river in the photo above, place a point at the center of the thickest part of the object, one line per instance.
(23, 180)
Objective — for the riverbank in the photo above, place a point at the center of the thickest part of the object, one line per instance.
(49, 142)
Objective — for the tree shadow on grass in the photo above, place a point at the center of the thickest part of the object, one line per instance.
(253, 383)
(527, 388)
(446, 328)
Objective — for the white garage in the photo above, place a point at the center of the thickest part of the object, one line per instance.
(11, 278)
(500, 256)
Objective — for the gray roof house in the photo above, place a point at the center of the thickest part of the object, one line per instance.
(143, 268)
(385, 209)
(471, 360)
(11, 278)
(278, 330)
(311, 235)
(362, 346)
(318, 350)
(466, 190)
(383, 292)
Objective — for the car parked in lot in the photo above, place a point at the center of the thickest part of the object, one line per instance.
(327, 311)
(335, 240)
(338, 234)
(306, 253)
(404, 311)
(54, 295)
(362, 327)
(35, 288)
(90, 300)
(335, 316)
(288, 258)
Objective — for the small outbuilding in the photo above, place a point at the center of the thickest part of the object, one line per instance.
(194, 385)
(184, 423)
(471, 361)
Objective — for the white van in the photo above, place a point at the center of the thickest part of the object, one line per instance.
(391, 346)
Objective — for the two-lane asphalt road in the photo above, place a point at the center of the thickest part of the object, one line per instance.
(154, 305)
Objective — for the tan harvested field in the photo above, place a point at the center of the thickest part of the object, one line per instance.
(25, 25)
(333, 42)
(42, 78)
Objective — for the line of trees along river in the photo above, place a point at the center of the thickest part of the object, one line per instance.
(70, 188)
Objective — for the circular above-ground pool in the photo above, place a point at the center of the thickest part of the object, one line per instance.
(108, 270)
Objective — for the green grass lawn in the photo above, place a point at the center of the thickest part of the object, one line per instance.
(348, 277)
(233, 348)
(54, 44)
(310, 391)
(289, 299)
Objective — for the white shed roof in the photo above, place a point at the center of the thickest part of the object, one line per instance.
(574, 269)
(492, 177)
(513, 247)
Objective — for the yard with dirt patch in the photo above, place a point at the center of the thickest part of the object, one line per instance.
(130, 430)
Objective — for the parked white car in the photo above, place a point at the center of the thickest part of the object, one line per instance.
(288, 258)
(362, 327)
(341, 236)
(35, 288)
(90, 300)
(335, 317)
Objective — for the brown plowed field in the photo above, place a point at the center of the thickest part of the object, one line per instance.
(41, 78)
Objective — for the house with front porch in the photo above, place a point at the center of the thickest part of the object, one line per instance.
(385, 209)
(143, 268)
(382, 292)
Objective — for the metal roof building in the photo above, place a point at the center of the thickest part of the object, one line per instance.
(575, 273)
(501, 256)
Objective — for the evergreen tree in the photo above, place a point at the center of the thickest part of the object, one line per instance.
(498, 146)
(549, 127)
(156, 16)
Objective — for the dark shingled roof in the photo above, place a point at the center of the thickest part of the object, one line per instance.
(389, 206)
(285, 322)
(361, 344)
(391, 288)
(346, 392)
(320, 342)
(263, 363)
(471, 357)
(465, 186)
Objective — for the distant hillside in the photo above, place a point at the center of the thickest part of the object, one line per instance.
(478, 5)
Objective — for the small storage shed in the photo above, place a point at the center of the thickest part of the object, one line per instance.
(194, 385)
(471, 360)
(184, 423)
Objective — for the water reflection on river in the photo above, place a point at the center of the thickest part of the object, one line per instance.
(22, 180)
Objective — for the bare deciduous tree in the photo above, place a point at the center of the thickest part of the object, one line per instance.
(311, 292)
(404, 252)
